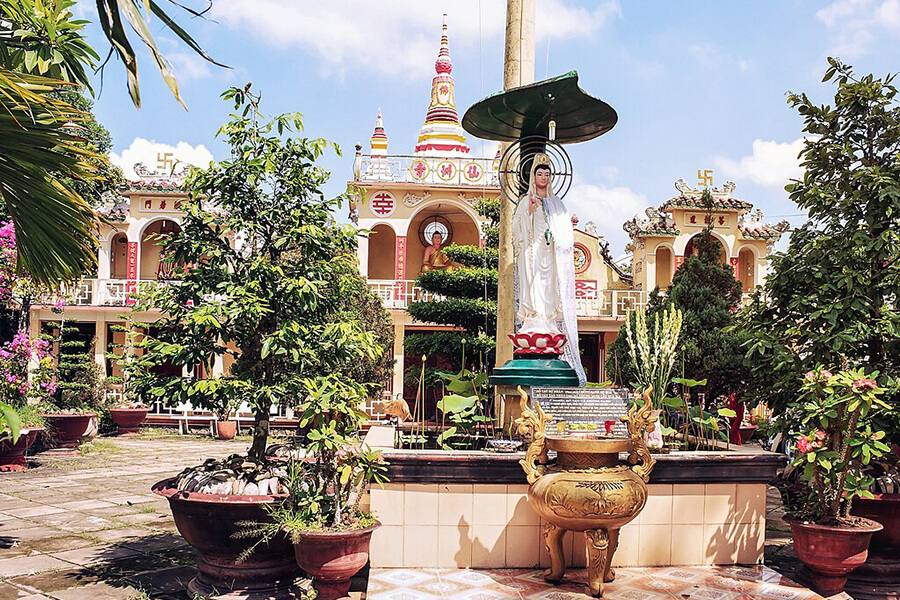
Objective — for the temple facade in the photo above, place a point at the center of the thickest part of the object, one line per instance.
(661, 241)
(405, 203)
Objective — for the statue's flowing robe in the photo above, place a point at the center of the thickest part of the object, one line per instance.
(545, 274)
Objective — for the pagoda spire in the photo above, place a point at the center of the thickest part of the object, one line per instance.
(378, 168)
(379, 142)
(441, 135)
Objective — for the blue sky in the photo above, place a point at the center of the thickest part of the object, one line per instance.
(698, 84)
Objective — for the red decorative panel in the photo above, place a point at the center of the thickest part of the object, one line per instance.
(679, 260)
(383, 204)
(734, 261)
(131, 272)
(399, 266)
(585, 288)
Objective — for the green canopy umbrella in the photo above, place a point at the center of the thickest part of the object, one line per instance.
(524, 111)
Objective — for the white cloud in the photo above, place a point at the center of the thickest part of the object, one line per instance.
(395, 37)
(189, 65)
(608, 207)
(146, 151)
(770, 163)
(855, 25)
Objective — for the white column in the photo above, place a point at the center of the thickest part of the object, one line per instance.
(102, 342)
(399, 329)
(363, 254)
(103, 253)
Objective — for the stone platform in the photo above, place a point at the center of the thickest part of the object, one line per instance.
(88, 528)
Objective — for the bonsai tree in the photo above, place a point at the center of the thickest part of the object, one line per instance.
(468, 301)
(266, 281)
(81, 386)
(834, 292)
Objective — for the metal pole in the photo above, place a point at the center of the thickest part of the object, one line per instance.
(518, 69)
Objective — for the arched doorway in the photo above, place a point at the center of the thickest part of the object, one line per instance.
(118, 256)
(152, 267)
(689, 249)
(747, 270)
(664, 263)
(454, 223)
(382, 246)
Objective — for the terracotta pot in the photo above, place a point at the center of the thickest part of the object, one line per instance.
(885, 509)
(66, 431)
(208, 522)
(12, 456)
(877, 579)
(226, 430)
(333, 557)
(746, 432)
(830, 553)
(128, 420)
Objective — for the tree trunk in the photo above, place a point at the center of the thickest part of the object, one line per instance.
(257, 451)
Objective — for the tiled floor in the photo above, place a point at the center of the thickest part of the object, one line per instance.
(89, 528)
(699, 583)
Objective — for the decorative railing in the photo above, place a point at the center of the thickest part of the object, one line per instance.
(613, 304)
(464, 170)
(104, 292)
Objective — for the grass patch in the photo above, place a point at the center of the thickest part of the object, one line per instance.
(146, 510)
(99, 447)
(138, 594)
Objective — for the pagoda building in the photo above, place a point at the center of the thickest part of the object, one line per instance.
(661, 241)
(405, 199)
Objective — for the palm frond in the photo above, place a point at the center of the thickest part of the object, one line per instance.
(55, 228)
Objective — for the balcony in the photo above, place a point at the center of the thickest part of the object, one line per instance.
(104, 292)
(467, 171)
(606, 304)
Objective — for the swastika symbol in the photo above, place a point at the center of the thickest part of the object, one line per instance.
(704, 177)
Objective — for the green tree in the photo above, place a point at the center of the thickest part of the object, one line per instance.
(268, 278)
(708, 295)
(469, 300)
(834, 292)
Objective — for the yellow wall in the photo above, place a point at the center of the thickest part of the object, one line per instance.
(382, 243)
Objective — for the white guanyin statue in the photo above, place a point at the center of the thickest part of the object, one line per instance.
(543, 244)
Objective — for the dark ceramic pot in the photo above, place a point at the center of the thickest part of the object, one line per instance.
(879, 577)
(746, 432)
(66, 431)
(12, 456)
(128, 420)
(208, 523)
(333, 557)
(226, 430)
(830, 553)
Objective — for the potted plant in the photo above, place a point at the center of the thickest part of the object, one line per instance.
(268, 297)
(72, 412)
(23, 390)
(322, 514)
(836, 441)
(128, 416)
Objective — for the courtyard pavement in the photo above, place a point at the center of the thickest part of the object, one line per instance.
(88, 528)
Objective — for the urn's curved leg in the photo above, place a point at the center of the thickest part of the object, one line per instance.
(598, 548)
(609, 574)
(553, 538)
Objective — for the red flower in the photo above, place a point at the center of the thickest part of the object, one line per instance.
(803, 444)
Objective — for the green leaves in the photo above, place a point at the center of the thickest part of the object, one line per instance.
(10, 424)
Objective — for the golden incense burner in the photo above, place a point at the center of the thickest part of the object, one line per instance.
(587, 489)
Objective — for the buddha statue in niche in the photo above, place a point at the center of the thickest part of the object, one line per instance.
(434, 258)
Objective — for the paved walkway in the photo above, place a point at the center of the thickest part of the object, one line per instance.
(88, 528)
